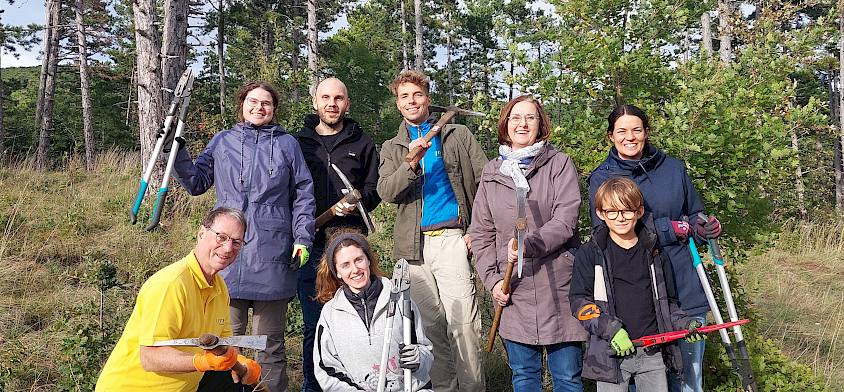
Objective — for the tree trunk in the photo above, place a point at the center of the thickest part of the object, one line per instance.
(420, 59)
(45, 65)
(448, 63)
(294, 61)
(725, 48)
(87, 126)
(405, 65)
(706, 34)
(221, 70)
(48, 94)
(174, 44)
(839, 164)
(2, 128)
(147, 48)
(313, 42)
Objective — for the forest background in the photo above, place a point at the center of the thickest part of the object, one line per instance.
(744, 92)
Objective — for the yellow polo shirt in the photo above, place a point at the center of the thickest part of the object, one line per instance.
(174, 303)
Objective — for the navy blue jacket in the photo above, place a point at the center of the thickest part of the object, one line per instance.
(669, 195)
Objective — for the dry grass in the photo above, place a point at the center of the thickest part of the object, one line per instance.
(797, 289)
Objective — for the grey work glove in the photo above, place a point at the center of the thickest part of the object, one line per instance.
(409, 356)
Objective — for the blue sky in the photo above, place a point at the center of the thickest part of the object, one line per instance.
(22, 13)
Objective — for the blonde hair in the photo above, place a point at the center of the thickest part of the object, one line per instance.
(621, 192)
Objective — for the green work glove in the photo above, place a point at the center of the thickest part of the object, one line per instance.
(694, 336)
(299, 257)
(621, 344)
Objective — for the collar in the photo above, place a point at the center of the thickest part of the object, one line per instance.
(198, 275)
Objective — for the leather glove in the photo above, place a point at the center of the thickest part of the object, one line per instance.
(253, 371)
(708, 228)
(299, 257)
(208, 361)
(694, 336)
(409, 356)
(682, 230)
(621, 344)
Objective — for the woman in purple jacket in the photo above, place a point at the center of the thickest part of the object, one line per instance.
(258, 168)
(536, 317)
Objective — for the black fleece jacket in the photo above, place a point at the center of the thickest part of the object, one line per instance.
(354, 154)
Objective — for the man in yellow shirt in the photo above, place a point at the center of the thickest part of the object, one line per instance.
(183, 300)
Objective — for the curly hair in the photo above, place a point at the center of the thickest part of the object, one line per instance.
(412, 77)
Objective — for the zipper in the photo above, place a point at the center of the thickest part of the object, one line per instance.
(366, 319)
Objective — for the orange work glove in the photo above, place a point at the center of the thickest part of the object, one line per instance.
(208, 361)
(253, 371)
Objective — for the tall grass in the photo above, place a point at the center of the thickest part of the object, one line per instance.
(797, 288)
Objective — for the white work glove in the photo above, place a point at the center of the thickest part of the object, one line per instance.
(342, 208)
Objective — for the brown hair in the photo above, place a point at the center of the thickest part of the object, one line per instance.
(241, 96)
(327, 282)
(620, 191)
(544, 121)
(413, 77)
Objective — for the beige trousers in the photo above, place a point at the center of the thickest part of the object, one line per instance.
(442, 286)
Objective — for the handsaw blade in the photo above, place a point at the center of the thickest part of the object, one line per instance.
(258, 342)
(521, 227)
(359, 205)
(401, 277)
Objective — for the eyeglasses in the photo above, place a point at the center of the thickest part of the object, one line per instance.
(528, 118)
(222, 238)
(254, 103)
(613, 214)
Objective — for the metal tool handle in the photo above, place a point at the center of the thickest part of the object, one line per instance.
(353, 197)
(505, 288)
(406, 331)
(416, 153)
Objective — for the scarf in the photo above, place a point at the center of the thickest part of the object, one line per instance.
(516, 161)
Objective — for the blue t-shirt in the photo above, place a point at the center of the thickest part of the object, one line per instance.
(439, 205)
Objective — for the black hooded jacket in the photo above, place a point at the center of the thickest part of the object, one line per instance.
(354, 154)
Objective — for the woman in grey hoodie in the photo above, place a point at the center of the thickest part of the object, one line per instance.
(351, 328)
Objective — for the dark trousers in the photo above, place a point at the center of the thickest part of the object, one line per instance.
(306, 289)
(220, 382)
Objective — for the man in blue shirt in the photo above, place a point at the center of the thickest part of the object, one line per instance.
(434, 198)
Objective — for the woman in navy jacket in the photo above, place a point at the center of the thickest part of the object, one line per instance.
(669, 196)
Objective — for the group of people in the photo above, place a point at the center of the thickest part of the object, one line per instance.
(259, 248)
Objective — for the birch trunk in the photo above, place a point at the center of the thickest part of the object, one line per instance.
(839, 164)
(48, 93)
(404, 63)
(221, 70)
(725, 49)
(313, 42)
(706, 34)
(147, 48)
(420, 59)
(174, 46)
(87, 127)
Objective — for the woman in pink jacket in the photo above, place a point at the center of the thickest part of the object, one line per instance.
(536, 317)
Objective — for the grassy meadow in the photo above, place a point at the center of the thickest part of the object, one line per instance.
(73, 265)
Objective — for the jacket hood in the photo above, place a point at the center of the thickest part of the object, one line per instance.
(544, 156)
(271, 128)
(651, 158)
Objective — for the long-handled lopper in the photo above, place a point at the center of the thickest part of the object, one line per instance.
(716, 313)
(398, 294)
(668, 337)
(181, 100)
(745, 370)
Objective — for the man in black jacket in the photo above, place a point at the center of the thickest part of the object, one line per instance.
(326, 138)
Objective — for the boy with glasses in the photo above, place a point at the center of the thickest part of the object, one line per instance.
(622, 289)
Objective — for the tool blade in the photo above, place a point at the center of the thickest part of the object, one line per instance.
(462, 112)
(178, 342)
(257, 342)
(401, 277)
(363, 213)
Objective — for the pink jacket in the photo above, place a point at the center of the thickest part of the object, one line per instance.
(539, 311)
